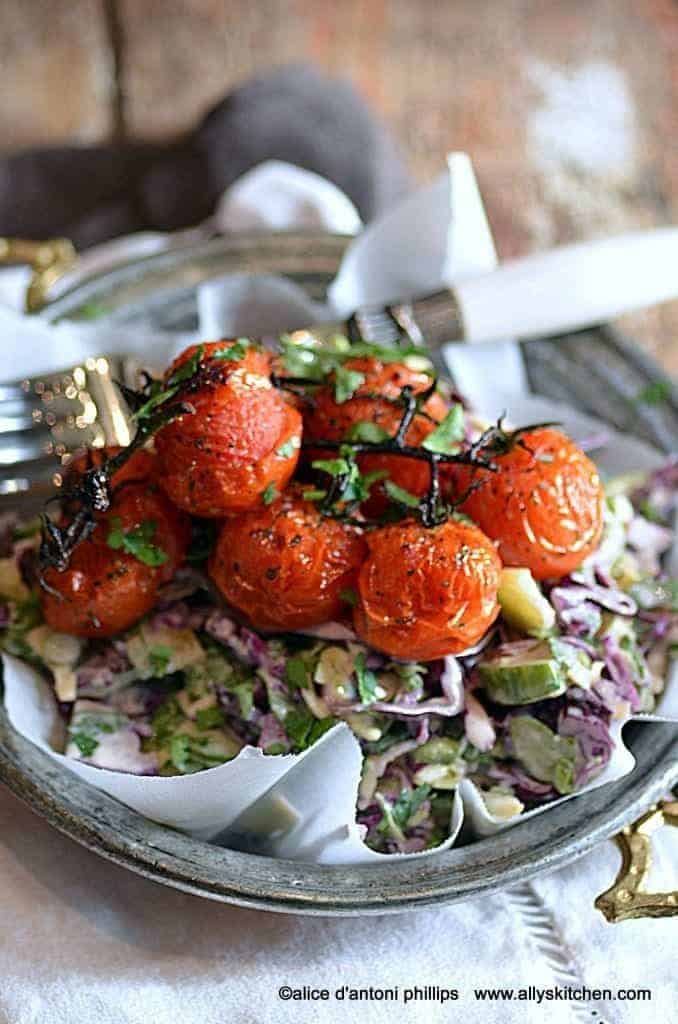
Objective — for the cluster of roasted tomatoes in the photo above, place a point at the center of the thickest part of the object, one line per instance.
(414, 590)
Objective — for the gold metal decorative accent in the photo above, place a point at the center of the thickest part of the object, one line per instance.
(50, 260)
(627, 898)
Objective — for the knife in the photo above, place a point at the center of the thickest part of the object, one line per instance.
(565, 289)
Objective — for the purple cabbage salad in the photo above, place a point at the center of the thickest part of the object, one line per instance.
(526, 715)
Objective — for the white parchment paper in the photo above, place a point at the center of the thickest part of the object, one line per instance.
(304, 805)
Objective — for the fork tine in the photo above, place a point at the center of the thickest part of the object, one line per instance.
(374, 326)
(17, 422)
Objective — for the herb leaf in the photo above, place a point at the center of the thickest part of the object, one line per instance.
(346, 383)
(209, 718)
(157, 397)
(234, 352)
(408, 803)
(296, 672)
(367, 680)
(137, 542)
(335, 467)
(447, 435)
(400, 495)
(187, 369)
(159, 657)
(287, 450)
(355, 486)
(86, 744)
(303, 729)
(270, 494)
(365, 430)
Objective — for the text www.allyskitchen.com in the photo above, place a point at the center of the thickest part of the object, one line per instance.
(439, 994)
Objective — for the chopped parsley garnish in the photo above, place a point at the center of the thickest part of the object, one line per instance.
(400, 495)
(209, 718)
(355, 485)
(397, 815)
(275, 748)
(303, 729)
(86, 744)
(446, 436)
(245, 694)
(159, 657)
(270, 494)
(287, 450)
(304, 357)
(367, 680)
(137, 542)
(234, 352)
(365, 430)
(187, 369)
(88, 727)
(335, 467)
(157, 396)
(346, 383)
(165, 721)
(297, 672)
(408, 803)
(160, 393)
(302, 362)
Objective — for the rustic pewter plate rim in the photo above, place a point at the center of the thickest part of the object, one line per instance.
(108, 828)
(124, 837)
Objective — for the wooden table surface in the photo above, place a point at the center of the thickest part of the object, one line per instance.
(569, 108)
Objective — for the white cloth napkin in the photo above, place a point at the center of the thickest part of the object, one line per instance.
(82, 939)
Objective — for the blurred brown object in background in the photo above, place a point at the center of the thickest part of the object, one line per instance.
(569, 108)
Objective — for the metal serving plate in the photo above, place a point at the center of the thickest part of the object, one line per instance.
(596, 371)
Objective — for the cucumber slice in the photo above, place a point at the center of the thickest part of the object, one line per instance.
(547, 756)
(438, 750)
(525, 677)
(522, 603)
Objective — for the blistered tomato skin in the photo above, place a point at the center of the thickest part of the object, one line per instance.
(286, 566)
(141, 465)
(242, 439)
(544, 505)
(427, 592)
(375, 401)
(105, 591)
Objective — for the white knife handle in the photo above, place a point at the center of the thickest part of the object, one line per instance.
(570, 287)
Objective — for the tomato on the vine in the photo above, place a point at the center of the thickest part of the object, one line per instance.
(543, 505)
(240, 442)
(424, 592)
(113, 576)
(287, 566)
(373, 411)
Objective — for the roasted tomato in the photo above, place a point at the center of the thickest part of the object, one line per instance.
(141, 465)
(424, 592)
(544, 505)
(107, 588)
(285, 566)
(375, 401)
(241, 442)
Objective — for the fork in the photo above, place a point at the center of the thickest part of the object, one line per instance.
(562, 290)
(44, 419)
